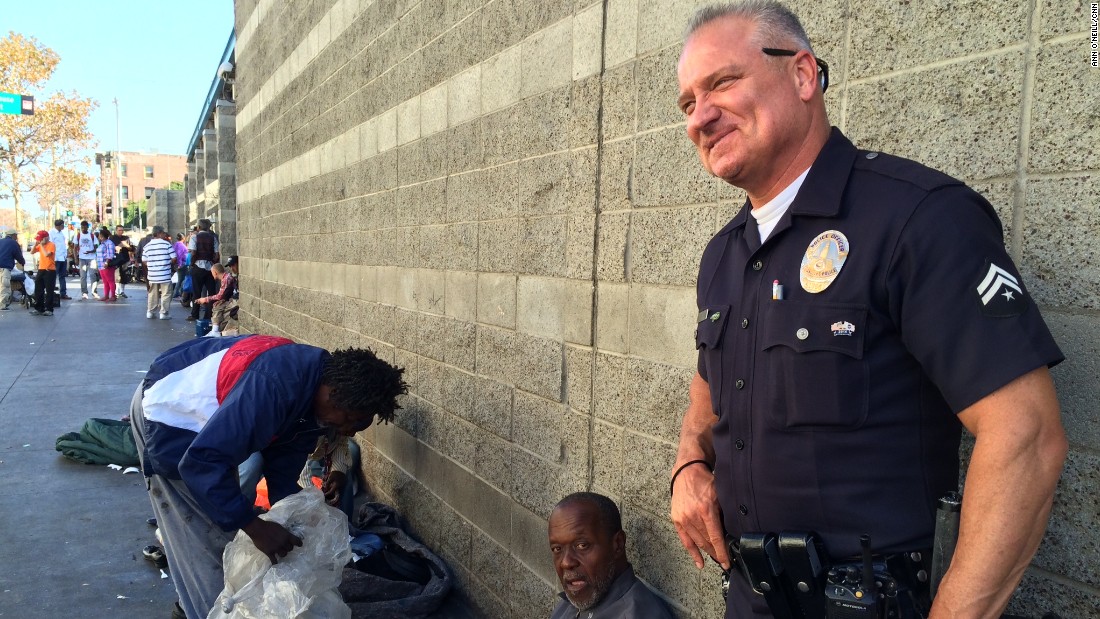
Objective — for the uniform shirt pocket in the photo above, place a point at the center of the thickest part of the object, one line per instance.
(812, 366)
(708, 340)
(708, 333)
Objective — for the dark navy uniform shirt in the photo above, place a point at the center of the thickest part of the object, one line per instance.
(837, 408)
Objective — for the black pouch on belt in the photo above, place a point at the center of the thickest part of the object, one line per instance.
(760, 555)
(804, 560)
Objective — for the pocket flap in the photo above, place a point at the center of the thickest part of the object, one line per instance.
(806, 327)
(712, 321)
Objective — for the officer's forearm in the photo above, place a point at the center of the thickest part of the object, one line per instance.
(696, 442)
(1009, 489)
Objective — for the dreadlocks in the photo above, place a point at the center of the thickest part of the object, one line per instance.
(363, 383)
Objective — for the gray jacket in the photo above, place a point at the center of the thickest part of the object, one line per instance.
(628, 598)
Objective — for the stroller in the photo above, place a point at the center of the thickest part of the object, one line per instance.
(19, 291)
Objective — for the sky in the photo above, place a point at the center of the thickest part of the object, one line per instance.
(157, 57)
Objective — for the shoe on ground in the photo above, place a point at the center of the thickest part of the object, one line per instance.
(155, 554)
(47, 313)
(151, 522)
(96, 295)
(84, 296)
(148, 314)
(66, 297)
(164, 316)
(123, 295)
(191, 319)
(35, 312)
(5, 309)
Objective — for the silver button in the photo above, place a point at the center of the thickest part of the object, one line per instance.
(802, 333)
(871, 155)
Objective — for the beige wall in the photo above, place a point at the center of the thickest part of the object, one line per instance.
(500, 197)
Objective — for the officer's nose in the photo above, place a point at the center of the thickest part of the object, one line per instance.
(702, 116)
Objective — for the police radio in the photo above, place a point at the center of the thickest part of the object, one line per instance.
(859, 590)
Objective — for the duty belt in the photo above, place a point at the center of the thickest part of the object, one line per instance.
(798, 580)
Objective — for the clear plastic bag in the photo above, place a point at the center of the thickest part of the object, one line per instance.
(303, 583)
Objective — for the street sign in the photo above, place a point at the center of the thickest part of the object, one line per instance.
(11, 103)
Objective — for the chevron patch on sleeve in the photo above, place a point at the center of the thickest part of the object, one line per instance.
(1000, 293)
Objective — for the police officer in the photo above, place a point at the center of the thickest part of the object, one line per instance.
(854, 316)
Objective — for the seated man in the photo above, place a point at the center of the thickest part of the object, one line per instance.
(207, 404)
(589, 549)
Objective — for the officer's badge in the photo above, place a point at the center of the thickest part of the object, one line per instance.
(823, 260)
(1001, 293)
(843, 328)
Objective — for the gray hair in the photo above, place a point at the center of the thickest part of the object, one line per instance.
(775, 23)
(158, 230)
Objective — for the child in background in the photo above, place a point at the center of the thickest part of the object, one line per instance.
(223, 301)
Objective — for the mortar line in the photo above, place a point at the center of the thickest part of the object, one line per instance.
(846, 55)
(1023, 143)
(940, 64)
(590, 473)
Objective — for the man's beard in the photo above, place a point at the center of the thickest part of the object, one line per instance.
(599, 589)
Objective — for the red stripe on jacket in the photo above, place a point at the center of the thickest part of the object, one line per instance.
(240, 356)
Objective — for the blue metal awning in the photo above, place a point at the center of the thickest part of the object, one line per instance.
(212, 95)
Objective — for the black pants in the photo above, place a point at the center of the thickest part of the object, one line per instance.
(204, 285)
(44, 298)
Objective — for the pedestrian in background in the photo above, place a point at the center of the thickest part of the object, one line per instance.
(158, 258)
(104, 255)
(61, 256)
(45, 277)
(10, 253)
(86, 242)
(222, 302)
(181, 261)
(125, 251)
(205, 250)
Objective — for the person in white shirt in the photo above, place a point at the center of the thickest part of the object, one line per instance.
(85, 245)
(159, 258)
(61, 255)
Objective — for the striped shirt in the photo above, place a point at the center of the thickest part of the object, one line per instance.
(157, 258)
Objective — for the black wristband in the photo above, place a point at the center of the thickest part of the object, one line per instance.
(683, 466)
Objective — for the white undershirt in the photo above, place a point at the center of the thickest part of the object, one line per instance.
(768, 215)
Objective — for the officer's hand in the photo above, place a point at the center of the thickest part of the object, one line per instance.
(696, 516)
(333, 486)
(271, 538)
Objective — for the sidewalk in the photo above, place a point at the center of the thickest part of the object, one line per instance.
(71, 534)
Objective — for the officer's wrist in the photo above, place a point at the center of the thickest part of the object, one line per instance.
(676, 473)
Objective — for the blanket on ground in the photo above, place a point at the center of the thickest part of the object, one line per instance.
(100, 441)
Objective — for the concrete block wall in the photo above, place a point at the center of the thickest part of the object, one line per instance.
(499, 195)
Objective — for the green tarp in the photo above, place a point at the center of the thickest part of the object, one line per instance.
(100, 441)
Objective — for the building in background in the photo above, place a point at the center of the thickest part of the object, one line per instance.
(136, 175)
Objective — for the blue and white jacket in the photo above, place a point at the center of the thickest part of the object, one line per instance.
(209, 403)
